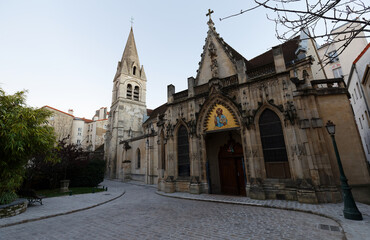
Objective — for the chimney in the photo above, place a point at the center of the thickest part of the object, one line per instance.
(278, 59)
(170, 93)
(70, 111)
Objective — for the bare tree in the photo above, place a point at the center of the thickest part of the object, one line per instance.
(318, 19)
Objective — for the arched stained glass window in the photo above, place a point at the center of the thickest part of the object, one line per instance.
(273, 145)
(163, 152)
(183, 152)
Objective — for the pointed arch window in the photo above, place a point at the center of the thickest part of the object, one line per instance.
(136, 93)
(129, 91)
(273, 145)
(134, 70)
(138, 158)
(183, 163)
(163, 152)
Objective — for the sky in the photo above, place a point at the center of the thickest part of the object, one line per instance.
(65, 52)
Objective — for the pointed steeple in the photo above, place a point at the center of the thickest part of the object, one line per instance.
(130, 55)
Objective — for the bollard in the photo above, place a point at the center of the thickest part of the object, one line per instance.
(70, 192)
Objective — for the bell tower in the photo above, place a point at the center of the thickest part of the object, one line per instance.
(128, 108)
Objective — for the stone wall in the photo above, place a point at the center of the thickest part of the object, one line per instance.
(17, 207)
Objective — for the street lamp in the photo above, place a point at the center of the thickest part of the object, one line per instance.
(350, 210)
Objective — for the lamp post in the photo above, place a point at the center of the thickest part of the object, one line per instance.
(350, 210)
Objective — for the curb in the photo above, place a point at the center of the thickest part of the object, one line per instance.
(60, 214)
(142, 185)
(259, 205)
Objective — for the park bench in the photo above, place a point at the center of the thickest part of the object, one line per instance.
(31, 196)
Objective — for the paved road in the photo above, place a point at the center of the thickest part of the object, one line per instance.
(142, 214)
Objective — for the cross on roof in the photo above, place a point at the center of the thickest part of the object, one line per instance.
(209, 14)
(132, 21)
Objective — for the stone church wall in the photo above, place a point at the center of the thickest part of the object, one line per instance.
(303, 170)
(337, 109)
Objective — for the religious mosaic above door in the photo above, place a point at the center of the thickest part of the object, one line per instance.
(220, 118)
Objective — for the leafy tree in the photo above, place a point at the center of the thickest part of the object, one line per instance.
(24, 133)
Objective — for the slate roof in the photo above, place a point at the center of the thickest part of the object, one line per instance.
(154, 113)
(267, 58)
(149, 111)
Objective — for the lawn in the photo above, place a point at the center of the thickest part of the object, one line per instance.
(75, 190)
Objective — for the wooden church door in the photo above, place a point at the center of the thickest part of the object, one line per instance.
(231, 169)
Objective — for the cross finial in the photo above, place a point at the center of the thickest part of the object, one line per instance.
(209, 14)
(132, 21)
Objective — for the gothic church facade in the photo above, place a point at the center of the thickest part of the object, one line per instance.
(253, 128)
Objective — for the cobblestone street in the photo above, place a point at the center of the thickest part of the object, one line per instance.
(142, 214)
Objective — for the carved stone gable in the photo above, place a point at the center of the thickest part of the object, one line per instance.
(213, 54)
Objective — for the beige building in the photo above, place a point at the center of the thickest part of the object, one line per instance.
(87, 133)
(253, 127)
(348, 65)
(96, 129)
(62, 123)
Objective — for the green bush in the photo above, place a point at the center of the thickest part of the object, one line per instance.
(23, 134)
(90, 175)
(7, 197)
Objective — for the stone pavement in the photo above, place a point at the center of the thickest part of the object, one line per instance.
(142, 214)
(57, 206)
(352, 229)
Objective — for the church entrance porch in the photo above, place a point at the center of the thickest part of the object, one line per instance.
(226, 172)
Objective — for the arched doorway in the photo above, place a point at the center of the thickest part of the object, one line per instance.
(230, 160)
(225, 164)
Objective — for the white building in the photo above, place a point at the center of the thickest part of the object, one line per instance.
(96, 129)
(360, 97)
(340, 62)
(77, 134)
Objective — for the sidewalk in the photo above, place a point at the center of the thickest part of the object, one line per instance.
(352, 229)
(57, 206)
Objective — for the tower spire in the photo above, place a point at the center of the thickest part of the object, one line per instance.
(132, 22)
(130, 55)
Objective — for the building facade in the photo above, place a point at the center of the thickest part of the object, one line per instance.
(348, 64)
(254, 127)
(88, 134)
(360, 98)
(338, 60)
(97, 129)
(62, 123)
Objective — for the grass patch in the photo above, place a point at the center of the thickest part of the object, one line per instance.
(75, 190)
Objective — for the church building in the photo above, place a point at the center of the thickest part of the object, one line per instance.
(254, 128)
